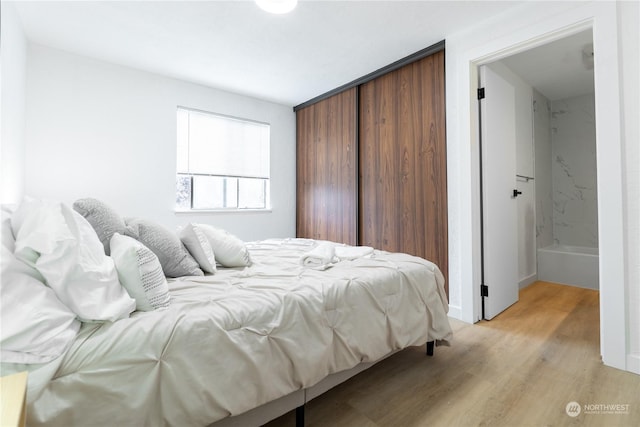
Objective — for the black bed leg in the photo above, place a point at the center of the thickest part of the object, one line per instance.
(430, 347)
(300, 416)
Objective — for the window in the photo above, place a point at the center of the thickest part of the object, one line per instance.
(223, 162)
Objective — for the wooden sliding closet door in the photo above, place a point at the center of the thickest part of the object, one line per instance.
(403, 191)
(327, 169)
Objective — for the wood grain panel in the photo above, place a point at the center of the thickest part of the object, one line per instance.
(327, 164)
(402, 162)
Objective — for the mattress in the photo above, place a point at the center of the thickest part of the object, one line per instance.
(241, 338)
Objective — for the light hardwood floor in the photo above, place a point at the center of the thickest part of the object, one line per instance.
(520, 369)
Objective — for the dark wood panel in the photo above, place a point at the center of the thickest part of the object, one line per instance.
(327, 174)
(402, 162)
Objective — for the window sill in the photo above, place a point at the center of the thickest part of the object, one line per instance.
(218, 211)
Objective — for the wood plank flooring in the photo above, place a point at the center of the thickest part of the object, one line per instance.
(520, 369)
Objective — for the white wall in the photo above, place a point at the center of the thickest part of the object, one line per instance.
(574, 167)
(100, 130)
(13, 46)
(629, 36)
(522, 28)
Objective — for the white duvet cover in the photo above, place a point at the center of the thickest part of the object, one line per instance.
(240, 338)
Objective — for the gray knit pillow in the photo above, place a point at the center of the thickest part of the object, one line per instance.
(104, 220)
(176, 261)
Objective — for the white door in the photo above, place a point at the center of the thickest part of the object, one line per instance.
(499, 206)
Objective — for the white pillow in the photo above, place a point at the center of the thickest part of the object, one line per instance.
(198, 245)
(36, 326)
(140, 273)
(228, 249)
(6, 233)
(38, 226)
(65, 249)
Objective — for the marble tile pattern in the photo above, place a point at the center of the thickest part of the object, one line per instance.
(543, 182)
(573, 170)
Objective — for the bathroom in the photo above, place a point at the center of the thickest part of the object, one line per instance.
(556, 161)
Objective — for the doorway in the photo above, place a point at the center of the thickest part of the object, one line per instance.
(549, 152)
(488, 43)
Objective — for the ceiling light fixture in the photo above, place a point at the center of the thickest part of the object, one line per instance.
(277, 6)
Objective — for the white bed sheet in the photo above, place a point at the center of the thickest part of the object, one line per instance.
(241, 338)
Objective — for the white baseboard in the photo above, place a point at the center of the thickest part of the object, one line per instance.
(527, 281)
(633, 363)
(455, 312)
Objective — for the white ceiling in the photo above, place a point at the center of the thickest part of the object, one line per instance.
(235, 46)
(556, 69)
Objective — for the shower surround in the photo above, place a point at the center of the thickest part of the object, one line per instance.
(574, 172)
(566, 194)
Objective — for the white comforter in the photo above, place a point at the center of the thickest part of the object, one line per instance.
(240, 338)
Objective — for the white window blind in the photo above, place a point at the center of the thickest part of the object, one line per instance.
(222, 162)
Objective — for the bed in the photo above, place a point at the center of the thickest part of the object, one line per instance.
(245, 344)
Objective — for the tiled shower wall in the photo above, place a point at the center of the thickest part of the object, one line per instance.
(565, 149)
(573, 170)
(544, 187)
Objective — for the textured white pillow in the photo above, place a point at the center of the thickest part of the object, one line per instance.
(198, 245)
(140, 273)
(229, 250)
(65, 249)
(36, 326)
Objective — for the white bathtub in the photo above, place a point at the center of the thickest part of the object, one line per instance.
(569, 265)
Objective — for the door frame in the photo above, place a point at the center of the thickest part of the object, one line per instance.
(602, 19)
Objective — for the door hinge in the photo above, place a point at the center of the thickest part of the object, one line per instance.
(484, 291)
(481, 93)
